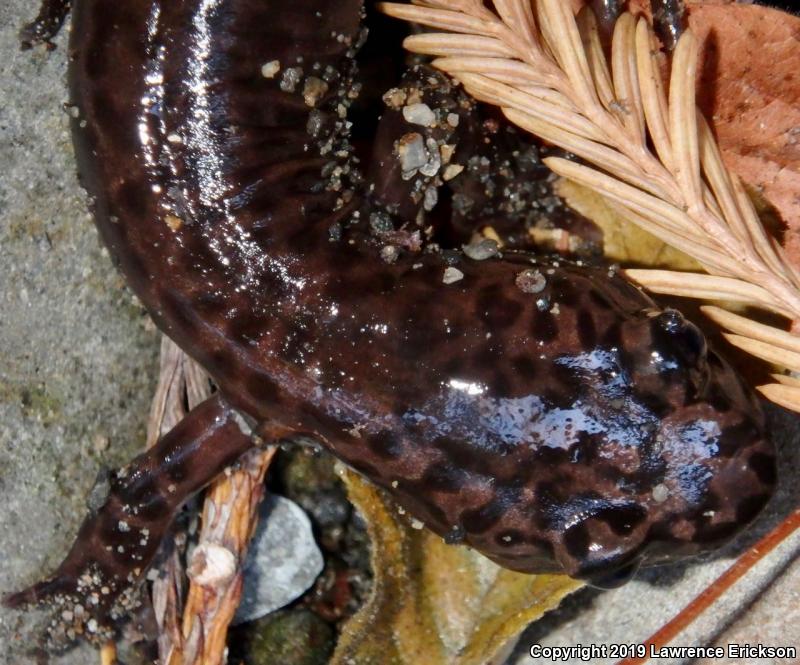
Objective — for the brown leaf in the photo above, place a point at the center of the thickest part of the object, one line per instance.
(436, 603)
(749, 86)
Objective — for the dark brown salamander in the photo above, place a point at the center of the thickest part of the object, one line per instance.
(549, 415)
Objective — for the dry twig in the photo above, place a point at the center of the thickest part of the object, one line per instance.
(547, 70)
(195, 634)
(230, 514)
(181, 386)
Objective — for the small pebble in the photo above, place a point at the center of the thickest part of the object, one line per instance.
(283, 546)
(271, 68)
(412, 153)
(446, 151)
(660, 493)
(394, 98)
(389, 253)
(431, 198)
(451, 171)
(434, 161)
(481, 250)
(452, 275)
(419, 114)
(291, 77)
(313, 90)
(531, 281)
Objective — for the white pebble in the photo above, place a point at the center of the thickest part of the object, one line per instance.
(660, 493)
(412, 153)
(212, 565)
(271, 68)
(431, 198)
(434, 162)
(452, 275)
(419, 114)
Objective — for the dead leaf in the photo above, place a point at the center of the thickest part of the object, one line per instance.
(623, 242)
(436, 603)
(749, 86)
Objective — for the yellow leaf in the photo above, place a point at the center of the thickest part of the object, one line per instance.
(623, 242)
(432, 602)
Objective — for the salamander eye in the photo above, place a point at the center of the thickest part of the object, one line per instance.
(674, 336)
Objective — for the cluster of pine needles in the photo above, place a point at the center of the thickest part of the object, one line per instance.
(650, 153)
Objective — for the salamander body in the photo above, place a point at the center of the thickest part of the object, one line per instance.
(547, 414)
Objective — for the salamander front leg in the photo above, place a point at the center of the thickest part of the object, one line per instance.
(96, 584)
(52, 14)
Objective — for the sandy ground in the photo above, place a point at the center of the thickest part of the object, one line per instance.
(78, 366)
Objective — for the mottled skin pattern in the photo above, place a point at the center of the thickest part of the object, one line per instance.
(566, 426)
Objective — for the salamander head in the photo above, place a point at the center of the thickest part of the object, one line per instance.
(684, 448)
(587, 436)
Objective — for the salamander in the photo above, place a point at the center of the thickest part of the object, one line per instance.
(548, 414)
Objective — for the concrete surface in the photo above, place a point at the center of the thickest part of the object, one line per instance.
(78, 366)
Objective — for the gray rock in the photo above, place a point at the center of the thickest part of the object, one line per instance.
(283, 560)
(480, 250)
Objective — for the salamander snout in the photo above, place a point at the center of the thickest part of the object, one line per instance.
(682, 462)
(710, 466)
